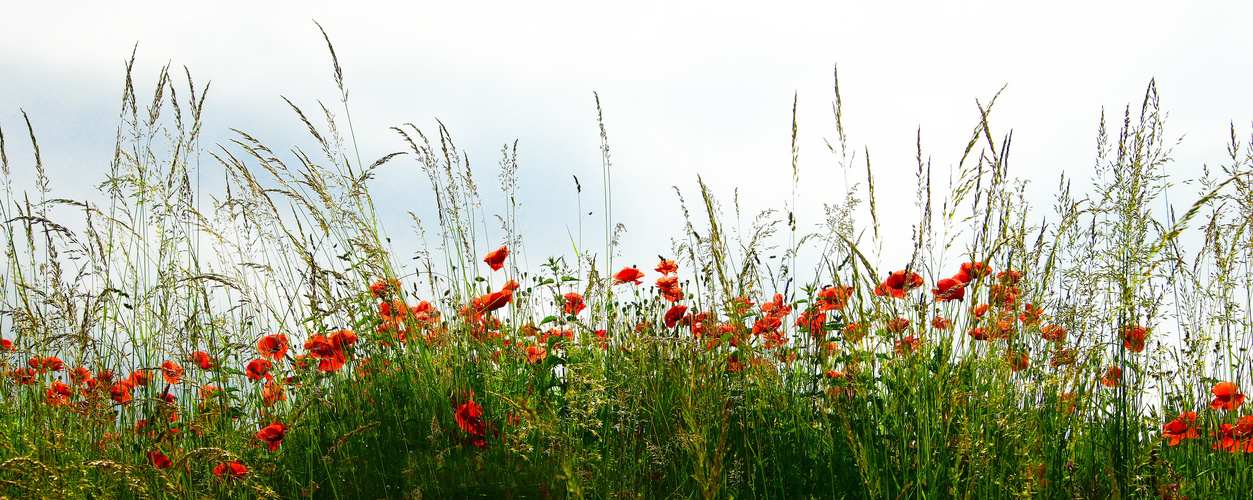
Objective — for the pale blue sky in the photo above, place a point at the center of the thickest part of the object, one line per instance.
(687, 87)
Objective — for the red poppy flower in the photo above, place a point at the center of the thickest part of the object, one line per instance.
(977, 334)
(50, 363)
(230, 470)
(384, 288)
(468, 418)
(948, 289)
(1003, 295)
(971, 271)
(898, 283)
(273, 346)
(1113, 377)
(1009, 277)
(24, 376)
(833, 298)
(7, 345)
(343, 338)
(158, 459)
(628, 274)
(573, 303)
(1236, 438)
(272, 434)
(257, 369)
(675, 314)
(496, 259)
(1031, 315)
(492, 301)
(1227, 396)
(120, 392)
(139, 378)
(1018, 360)
(908, 344)
(979, 310)
(666, 267)
(1068, 402)
(201, 358)
(1053, 333)
(813, 320)
(80, 375)
(172, 373)
(59, 393)
(206, 391)
(1133, 337)
(897, 325)
(272, 393)
(669, 287)
(940, 323)
(535, 353)
(1182, 427)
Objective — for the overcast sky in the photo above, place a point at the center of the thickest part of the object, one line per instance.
(688, 88)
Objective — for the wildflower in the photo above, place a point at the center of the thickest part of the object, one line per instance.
(171, 372)
(272, 393)
(628, 274)
(1053, 333)
(139, 378)
(1237, 438)
(1003, 296)
(971, 271)
(898, 325)
(343, 338)
(979, 310)
(273, 346)
(1018, 360)
(201, 358)
(1113, 377)
(675, 314)
(1031, 315)
(257, 369)
(230, 470)
(272, 434)
(813, 320)
(1226, 396)
(496, 259)
(59, 394)
(7, 345)
(80, 375)
(120, 392)
(24, 376)
(383, 288)
(158, 459)
(940, 323)
(50, 363)
(977, 334)
(206, 391)
(833, 298)
(739, 306)
(666, 267)
(573, 303)
(330, 356)
(898, 283)
(1182, 427)
(535, 353)
(669, 287)
(468, 418)
(1068, 402)
(1133, 337)
(908, 345)
(948, 289)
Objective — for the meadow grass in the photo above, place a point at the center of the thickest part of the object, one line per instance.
(262, 342)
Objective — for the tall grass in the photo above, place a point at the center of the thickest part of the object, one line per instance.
(1017, 354)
